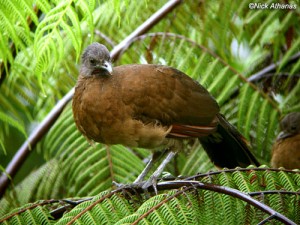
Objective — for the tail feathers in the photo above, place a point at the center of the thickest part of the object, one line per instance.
(193, 131)
(227, 147)
(188, 131)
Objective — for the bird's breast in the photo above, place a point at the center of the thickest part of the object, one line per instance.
(286, 153)
(102, 115)
(94, 107)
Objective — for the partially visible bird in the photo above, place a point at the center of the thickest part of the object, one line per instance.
(286, 149)
(154, 107)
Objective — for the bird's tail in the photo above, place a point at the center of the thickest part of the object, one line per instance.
(227, 147)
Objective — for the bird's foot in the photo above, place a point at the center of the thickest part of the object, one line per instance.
(132, 185)
(141, 184)
(118, 185)
(152, 181)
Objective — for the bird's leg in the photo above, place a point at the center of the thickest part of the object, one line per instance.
(139, 180)
(153, 160)
(153, 179)
(145, 171)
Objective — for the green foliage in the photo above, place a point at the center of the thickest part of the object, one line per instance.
(218, 43)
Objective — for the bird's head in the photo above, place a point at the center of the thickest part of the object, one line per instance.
(96, 60)
(290, 125)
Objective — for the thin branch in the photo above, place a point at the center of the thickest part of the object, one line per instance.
(272, 68)
(266, 220)
(239, 169)
(261, 74)
(106, 38)
(58, 213)
(47, 123)
(157, 206)
(44, 202)
(92, 206)
(285, 75)
(110, 164)
(54, 213)
(146, 26)
(274, 192)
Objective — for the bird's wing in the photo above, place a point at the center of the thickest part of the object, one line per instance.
(166, 95)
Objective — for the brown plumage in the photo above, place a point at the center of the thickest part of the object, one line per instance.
(286, 149)
(151, 106)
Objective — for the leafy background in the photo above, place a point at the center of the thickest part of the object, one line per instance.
(222, 44)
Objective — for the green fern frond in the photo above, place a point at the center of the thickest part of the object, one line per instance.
(60, 25)
(188, 205)
(13, 122)
(44, 183)
(294, 49)
(14, 24)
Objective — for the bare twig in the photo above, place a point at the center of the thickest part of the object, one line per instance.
(59, 212)
(272, 68)
(47, 123)
(92, 206)
(147, 25)
(266, 220)
(106, 38)
(271, 192)
(262, 73)
(239, 169)
(45, 202)
(285, 75)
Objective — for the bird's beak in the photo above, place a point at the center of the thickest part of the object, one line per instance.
(283, 135)
(107, 66)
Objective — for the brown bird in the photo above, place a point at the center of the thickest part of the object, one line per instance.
(286, 149)
(154, 107)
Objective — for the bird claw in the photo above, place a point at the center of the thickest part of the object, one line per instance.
(118, 185)
(152, 181)
(132, 185)
(144, 184)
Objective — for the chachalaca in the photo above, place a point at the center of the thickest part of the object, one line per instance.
(286, 149)
(154, 107)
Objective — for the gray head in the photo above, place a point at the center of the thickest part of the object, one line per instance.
(290, 125)
(95, 60)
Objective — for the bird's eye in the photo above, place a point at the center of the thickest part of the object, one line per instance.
(93, 61)
(293, 127)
